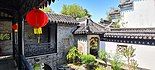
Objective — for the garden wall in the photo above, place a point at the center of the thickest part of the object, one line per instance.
(64, 41)
(144, 53)
(5, 33)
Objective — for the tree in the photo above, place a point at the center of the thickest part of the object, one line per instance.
(116, 62)
(75, 11)
(73, 54)
(114, 17)
(116, 23)
(47, 9)
(129, 53)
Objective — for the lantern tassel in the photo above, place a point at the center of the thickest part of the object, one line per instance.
(39, 39)
(38, 30)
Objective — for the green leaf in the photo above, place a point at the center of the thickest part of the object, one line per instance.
(88, 58)
(74, 10)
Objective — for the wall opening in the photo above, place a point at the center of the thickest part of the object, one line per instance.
(94, 46)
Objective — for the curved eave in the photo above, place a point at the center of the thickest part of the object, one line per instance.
(128, 4)
(134, 30)
(86, 33)
(14, 7)
(62, 22)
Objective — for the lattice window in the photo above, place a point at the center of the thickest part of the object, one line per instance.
(94, 42)
(66, 41)
(121, 48)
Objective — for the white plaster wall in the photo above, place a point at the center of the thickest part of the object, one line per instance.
(84, 43)
(102, 45)
(141, 16)
(145, 54)
(82, 46)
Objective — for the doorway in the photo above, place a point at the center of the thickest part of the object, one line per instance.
(94, 46)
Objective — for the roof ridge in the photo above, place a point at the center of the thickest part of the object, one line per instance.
(59, 14)
(54, 17)
(136, 28)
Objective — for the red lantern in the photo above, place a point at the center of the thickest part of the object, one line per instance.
(15, 27)
(37, 19)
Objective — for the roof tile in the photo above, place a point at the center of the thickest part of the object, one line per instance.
(59, 18)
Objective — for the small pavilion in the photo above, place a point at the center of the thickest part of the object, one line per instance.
(87, 36)
(89, 31)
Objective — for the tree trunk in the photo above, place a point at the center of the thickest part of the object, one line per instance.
(129, 64)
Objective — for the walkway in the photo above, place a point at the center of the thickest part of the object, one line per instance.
(7, 63)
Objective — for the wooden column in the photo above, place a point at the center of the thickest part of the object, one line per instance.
(13, 39)
(56, 26)
(20, 40)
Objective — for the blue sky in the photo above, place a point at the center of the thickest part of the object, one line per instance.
(97, 8)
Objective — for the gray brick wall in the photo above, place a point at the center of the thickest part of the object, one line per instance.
(6, 45)
(64, 40)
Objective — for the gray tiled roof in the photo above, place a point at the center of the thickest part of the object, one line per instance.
(136, 33)
(59, 18)
(126, 4)
(90, 28)
(129, 35)
(133, 30)
(105, 23)
(114, 11)
(4, 15)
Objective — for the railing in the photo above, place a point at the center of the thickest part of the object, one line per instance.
(25, 64)
(39, 49)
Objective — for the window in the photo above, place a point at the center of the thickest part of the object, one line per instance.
(45, 36)
(66, 41)
(121, 48)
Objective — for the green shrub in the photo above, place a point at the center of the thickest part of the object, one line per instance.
(100, 68)
(36, 67)
(116, 62)
(87, 59)
(134, 64)
(73, 54)
(129, 53)
(102, 55)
